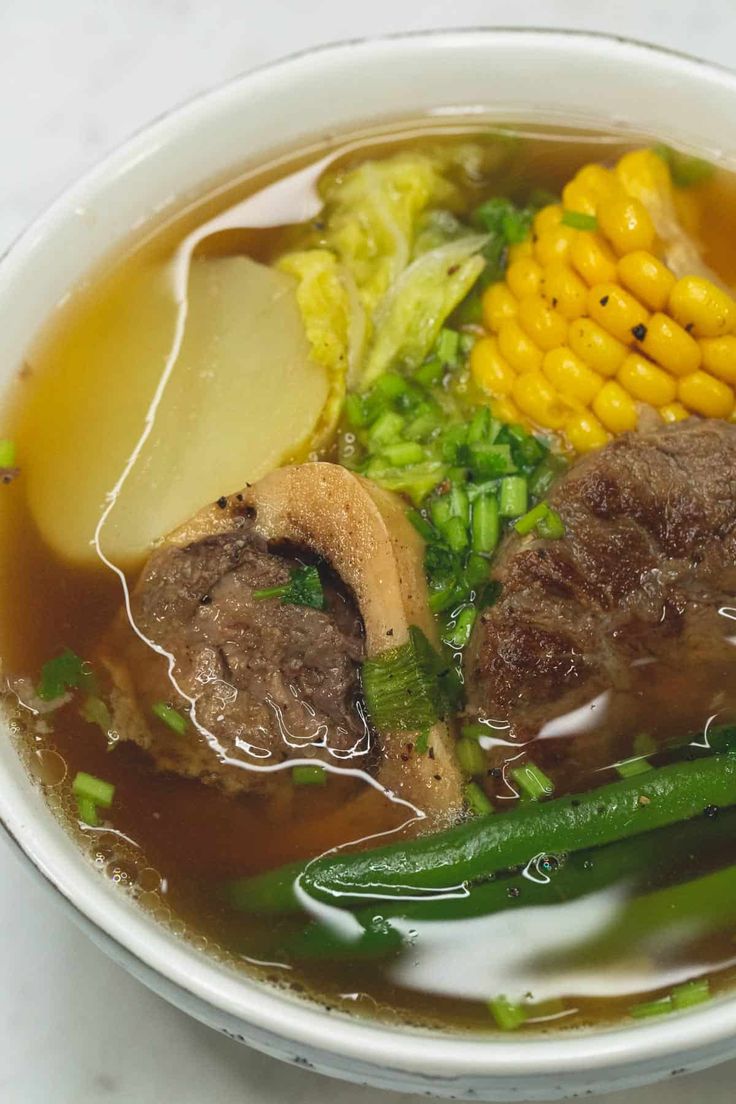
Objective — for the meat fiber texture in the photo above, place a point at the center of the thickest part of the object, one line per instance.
(636, 585)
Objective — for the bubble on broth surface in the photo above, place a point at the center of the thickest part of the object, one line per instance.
(48, 767)
(148, 879)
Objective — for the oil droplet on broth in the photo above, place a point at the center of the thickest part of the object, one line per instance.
(148, 879)
(48, 767)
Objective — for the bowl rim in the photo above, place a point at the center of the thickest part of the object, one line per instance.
(135, 938)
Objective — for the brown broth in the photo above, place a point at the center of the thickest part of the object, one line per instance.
(188, 837)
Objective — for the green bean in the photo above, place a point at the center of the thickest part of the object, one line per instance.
(476, 849)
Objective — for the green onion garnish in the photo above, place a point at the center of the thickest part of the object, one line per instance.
(578, 220)
(486, 527)
(7, 454)
(88, 812)
(513, 496)
(422, 526)
(532, 781)
(93, 789)
(691, 993)
(629, 768)
(303, 589)
(458, 637)
(386, 430)
(455, 532)
(308, 775)
(448, 347)
(551, 526)
(66, 672)
(403, 453)
(407, 687)
(176, 721)
(95, 711)
(421, 745)
(530, 519)
(476, 800)
(685, 169)
(650, 1008)
(470, 756)
(508, 1016)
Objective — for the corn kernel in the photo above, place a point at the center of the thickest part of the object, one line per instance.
(705, 395)
(645, 381)
(627, 224)
(598, 182)
(673, 412)
(702, 307)
(618, 312)
(498, 306)
(521, 249)
(541, 322)
(548, 218)
(576, 197)
(517, 348)
(601, 352)
(644, 175)
(592, 259)
(668, 344)
(615, 408)
(507, 411)
(585, 432)
(719, 356)
(647, 278)
(535, 397)
(524, 277)
(489, 370)
(554, 244)
(571, 376)
(564, 290)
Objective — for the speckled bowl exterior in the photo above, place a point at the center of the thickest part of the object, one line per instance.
(513, 75)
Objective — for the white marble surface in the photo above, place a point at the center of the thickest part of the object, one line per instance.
(76, 77)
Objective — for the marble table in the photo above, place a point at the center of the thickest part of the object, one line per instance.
(75, 79)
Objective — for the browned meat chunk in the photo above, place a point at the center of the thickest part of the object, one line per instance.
(627, 600)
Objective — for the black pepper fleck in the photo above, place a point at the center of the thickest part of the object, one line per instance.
(604, 300)
(711, 811)
(639, 332)
(205, 599)
(222, 502)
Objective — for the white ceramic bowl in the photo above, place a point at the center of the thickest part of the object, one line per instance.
(515, 75)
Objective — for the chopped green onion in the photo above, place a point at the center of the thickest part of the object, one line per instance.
(440, 509)
(476, 570)
(490, 461)
(508, 1016)
(453, 440)
(93, 789)
(480, 425)
(529, 521)
(470, 756)
(644, 744)
(578, 220)
(551, 526)
(415, 480)
(486, 527)
(629, 768)
(303, 589)
(421, 745)
(7, 454)
(406, 687)
(171, 717)
(475, 731)
(685, 169)
(448, 347)
(422, 426)
(459, 504)
(66, 672)
(386, 429)
(690, 993)
(422, 526)
(476, 800)
(355, 411)
(430, 373)
(391, 386)
(513, 496)
(95, 711)
(455, 532)
(88, 812)
(458, 637)
(403, 453)
(532, 781)
(307, 774)
(651, 1008)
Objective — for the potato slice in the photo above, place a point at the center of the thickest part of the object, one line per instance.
(243, 394)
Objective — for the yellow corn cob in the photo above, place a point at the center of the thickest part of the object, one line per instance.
(590, 323)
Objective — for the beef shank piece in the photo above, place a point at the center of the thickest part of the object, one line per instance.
(628, 600)
(263, 682)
